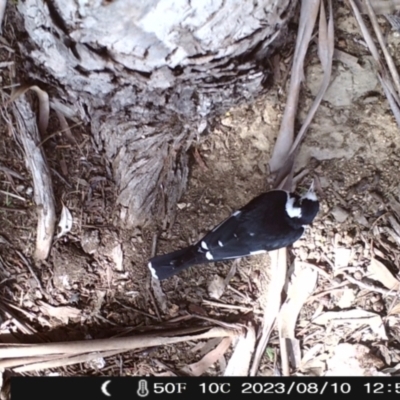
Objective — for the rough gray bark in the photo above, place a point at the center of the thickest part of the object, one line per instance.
(149, 76)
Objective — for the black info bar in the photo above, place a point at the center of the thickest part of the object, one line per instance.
(172, 388)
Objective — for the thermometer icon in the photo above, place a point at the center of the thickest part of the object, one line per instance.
(142, 391)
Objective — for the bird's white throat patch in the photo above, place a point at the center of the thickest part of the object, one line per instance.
(291, 210)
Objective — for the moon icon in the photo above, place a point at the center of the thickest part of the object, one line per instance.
(104, 388)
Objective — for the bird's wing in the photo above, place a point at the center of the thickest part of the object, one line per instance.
(253, 229)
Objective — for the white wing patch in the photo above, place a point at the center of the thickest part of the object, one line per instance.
(236, 213)
(209, 256)
(291, 210)
(152, 270)
(204, 245)
(258, 252)
(220, 243)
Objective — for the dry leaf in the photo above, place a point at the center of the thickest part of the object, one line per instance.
(301, 286)
(395, 309)
(208, 346)
(394, 204)
(353, 360)
(66, 222)
(378, 272)
(314, 361)
(198, 368)
(311, 353)
(381, 6)
(354, 317)
(273, 303)
(239, 362)
(62, 313)
(346, 298)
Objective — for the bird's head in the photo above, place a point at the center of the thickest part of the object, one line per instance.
(309, 205)
(303, 209)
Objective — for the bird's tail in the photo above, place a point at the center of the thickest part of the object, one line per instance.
(167, 265)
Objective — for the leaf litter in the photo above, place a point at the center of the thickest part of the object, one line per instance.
(310, 343)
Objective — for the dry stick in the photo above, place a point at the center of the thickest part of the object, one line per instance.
(367, 37)
(3, 4)
(382, 73)
(43, 190)
(308, 15)
(392, 102)
(125, 343)
(159, 295)
(372, 288)
(136, 310)
(390, 92)
(11, 172)
(325, 51)
(15, 362)
(388, 57)
(26, 262)
(12, 209)
(63, 362)
(15, 196)
(231, 306)
(217, 322)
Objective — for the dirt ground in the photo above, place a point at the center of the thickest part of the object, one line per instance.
(96, 284)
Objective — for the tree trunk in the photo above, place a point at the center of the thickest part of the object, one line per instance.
(149, 77)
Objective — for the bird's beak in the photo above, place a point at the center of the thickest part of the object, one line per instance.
(312, 186)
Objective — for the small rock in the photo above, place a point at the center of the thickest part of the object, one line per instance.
(90, 241)
(378, 306)
(346, 298)
(339, 213)
(358, 275)
(360, 218)
(342, 257)
(323, 182)
(216, 287)
(302, 253)
(375, 298)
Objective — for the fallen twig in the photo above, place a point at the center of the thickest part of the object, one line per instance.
(39, 353)
(43, 190)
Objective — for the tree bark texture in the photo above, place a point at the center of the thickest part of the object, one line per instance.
(149, 77)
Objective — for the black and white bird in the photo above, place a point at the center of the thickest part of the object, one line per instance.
(271, 221)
